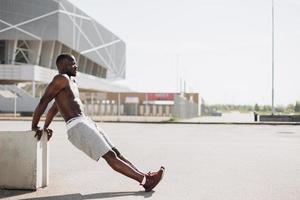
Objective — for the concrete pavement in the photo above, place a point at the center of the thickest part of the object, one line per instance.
(208, 162)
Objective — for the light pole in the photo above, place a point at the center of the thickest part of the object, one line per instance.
(273, 57)
(178, 84)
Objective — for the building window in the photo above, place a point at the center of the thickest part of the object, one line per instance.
(2, 51)
(22, 52)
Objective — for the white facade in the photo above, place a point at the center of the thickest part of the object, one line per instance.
(33, 33)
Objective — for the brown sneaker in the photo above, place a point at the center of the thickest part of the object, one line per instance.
(153, 178)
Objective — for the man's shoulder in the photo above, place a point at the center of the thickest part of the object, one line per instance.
(61, 79)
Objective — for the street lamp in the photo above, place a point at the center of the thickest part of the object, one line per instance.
(273, 57)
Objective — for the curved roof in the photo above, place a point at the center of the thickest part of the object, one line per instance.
(62, 21)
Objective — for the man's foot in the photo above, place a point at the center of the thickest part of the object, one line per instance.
(153, 178)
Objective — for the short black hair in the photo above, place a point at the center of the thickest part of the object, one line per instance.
(62, 57)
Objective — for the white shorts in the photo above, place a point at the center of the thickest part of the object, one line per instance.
(84, 134)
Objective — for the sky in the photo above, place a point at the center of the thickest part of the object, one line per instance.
(221, 49)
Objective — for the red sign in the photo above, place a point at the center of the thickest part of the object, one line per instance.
(160, 96)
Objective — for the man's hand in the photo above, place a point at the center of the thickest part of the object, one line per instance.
(38, 132)
(49, 132)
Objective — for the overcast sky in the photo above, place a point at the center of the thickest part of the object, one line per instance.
(223, 48)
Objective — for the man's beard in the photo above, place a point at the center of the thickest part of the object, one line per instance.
(70, 74)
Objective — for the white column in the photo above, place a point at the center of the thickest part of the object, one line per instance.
(33, 88)
(13, 58)
(119, 103)
(15, 105)
(51, 55)
(38, 54)
(92, 99)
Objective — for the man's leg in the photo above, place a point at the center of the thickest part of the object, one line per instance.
(122, 167)
(119, 155)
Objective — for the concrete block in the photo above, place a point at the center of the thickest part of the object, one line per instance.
(24, 161)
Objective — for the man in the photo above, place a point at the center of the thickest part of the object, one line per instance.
(82, 131)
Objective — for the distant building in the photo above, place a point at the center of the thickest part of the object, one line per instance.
(34, 32)
(185, 105)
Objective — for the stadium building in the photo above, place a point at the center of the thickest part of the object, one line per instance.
(34, 32)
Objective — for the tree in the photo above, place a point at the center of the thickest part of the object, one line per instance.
(290, 108)
(297, 106)
(279, 109)
(256, 107)
(266, 108)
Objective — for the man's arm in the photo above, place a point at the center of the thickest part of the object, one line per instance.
(58, 83)
(50, 115)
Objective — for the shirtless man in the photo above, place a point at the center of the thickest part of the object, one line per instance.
(82, 131)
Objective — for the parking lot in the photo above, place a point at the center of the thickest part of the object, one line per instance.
(209, 162)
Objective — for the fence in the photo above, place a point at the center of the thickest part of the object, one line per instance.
(128, 109)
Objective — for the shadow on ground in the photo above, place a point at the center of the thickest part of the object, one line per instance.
(9, 193)
(103, 195)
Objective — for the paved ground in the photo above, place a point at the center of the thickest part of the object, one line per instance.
(209, 162)
(226, 117)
